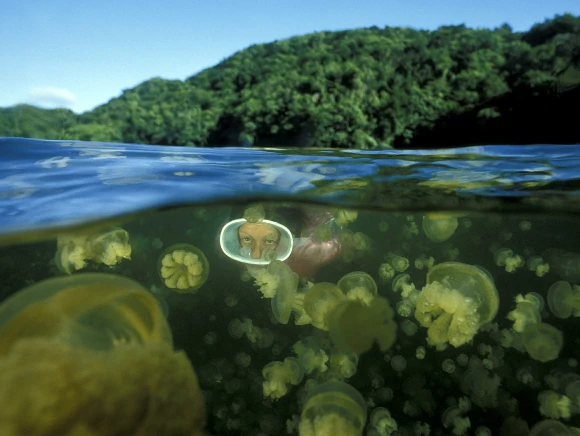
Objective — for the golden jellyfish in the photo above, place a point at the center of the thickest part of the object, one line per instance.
(333, 408)
(322, 233)
(346, 238)
(543, 342)
(254, 213)
(360, 241)
(320, 300)
(310, 354)
(552, 427)
(439, 228)
(456, 301)
(564, 299)
(564, 263)
(50, 387)
(71, 253)
(354, 326)
(284, 300)
(343, 217)
(93, 310)
(278, 375)
(358, 285)
(108, 247)
(183, 268)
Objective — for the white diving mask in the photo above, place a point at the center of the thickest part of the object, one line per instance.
(230, 243)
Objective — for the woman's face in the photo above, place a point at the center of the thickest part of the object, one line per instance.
(258, 237)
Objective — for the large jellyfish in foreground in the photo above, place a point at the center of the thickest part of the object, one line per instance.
(91, 354)
(93, 310)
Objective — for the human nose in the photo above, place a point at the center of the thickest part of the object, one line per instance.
(256, 251)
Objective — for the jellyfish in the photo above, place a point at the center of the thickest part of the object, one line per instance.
(505, 257)
(92, 310)
(453, 418)
(457, 300)
(360, 242)
(343, 364)
(358, 285)
(398, 363)
(110, 247)
(277, 376)
(254, 213)
(354, 327)
(551, 427)
(564, 263)
(554, 405)
(399, 263)
(183, 268)
(537, 265)
(322, 233)
(333, 408)
(439, 228)
(527, 312)
(343, 217)
(480, 384)
(71, 253)
(424, 262)
(543, 342)
(310, 355)
(285, 295)
(564, 299)
(237, 329)
(50, 386)
(74, 251)
(381, 422)
(386, 271)
(320, 300)
(402, 283)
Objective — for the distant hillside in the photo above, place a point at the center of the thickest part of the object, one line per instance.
(31, 122)
(367, 88)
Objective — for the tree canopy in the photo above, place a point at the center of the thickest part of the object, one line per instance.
(365, 88)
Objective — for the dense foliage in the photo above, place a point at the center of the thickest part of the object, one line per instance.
(367, 88)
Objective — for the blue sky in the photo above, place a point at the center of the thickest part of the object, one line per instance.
(80, 54)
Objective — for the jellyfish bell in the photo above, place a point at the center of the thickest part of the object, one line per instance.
(333, 407)
(357, 279)
(439, 228)
(456, 301)
(283, 301)
(183, 268)
(320, 300)
(110, 246)
(232, 247)
(90, 310)
(543, 342)
(551, 427)
(563, 300)
(354, 326)
(471, 281)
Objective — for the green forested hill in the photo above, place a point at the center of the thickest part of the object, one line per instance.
(31, 122)
(366, 88)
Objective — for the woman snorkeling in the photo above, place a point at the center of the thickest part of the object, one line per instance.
(256, 241)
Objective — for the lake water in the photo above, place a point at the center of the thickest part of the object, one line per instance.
(474, 252)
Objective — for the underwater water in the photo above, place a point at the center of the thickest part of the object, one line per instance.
(428, 292)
